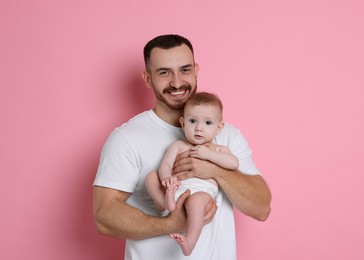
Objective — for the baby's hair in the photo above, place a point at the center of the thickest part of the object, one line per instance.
(205, 98)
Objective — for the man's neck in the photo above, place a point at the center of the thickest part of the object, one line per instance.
(169, 116)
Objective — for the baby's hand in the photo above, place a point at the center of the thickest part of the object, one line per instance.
(171, 183)
(200, 151)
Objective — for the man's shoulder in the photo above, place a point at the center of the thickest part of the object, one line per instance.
(136, 122)
(230, 134)
(230, 129)
(139, 118)
(129, 128)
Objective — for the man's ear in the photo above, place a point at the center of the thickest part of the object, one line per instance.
(197, 69)
(181, 121)
(147, 79)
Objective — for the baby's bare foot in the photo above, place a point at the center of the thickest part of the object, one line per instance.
(183, 242)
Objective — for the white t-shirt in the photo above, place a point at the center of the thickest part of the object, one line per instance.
(135, 149)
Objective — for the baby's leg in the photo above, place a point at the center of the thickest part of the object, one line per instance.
(169, 200)
(155, 190)
(195, 207)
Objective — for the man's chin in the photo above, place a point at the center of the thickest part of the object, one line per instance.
(177, 107)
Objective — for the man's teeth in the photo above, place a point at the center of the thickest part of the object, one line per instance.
(177, 93)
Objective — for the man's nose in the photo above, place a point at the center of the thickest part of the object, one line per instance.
(176, 81)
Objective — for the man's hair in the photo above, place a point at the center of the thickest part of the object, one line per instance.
(205, 98)
(166, 41)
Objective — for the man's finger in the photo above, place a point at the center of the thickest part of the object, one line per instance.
(183, 175)
(181, 200)
(210, 211)
(182, 155)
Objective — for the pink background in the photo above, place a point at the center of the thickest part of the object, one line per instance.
(291, 76)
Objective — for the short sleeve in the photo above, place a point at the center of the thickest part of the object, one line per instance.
(118, 166)
(234, 139)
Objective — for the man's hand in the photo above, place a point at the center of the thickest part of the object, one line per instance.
(200, 151)
(187, 167)
(178, 216)
(248, 193)
(210, 211)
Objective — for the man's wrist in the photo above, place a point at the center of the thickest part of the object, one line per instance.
(171, 225)
(221, 173)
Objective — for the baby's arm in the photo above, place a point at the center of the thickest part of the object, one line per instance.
(219, 155)
(165, 167)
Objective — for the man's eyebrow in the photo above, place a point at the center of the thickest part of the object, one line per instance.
(187, 66)
(160, 69)
(182, 67)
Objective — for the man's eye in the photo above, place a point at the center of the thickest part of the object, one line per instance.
(163, 73)
(186, 71)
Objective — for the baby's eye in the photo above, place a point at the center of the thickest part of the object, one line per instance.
(208, 122)
(192, 121)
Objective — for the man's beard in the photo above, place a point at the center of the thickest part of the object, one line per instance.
(175, 106)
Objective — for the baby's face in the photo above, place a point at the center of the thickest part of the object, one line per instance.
(201, 123)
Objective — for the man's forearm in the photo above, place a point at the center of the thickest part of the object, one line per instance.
(248, 193)
(113, 217)
(224, 160)
(126, 222)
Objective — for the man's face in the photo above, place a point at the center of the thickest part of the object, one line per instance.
(172, 74)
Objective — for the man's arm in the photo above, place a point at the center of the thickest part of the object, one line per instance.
(114, 217)
(248, 193)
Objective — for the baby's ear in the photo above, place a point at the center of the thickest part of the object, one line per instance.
(220, 127)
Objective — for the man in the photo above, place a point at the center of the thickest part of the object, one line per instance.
(122, 207)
